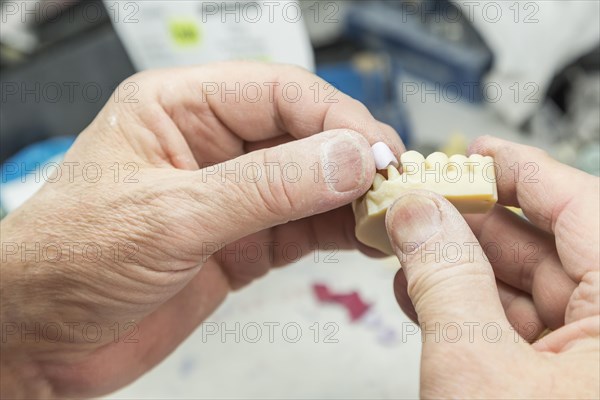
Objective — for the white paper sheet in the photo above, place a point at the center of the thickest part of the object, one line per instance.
(175, 33)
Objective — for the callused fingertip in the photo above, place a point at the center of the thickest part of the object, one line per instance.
(346, 162)
(412, 220)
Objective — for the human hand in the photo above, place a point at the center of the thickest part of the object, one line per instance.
(138, 251)
(480, 316)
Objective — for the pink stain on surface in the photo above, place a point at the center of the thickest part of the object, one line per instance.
(351, 301)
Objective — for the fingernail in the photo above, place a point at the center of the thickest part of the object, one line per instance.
(415, 220)
(343, 162)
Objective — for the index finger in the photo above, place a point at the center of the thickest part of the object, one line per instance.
(258, 101)
(555, 197)
(529, 178)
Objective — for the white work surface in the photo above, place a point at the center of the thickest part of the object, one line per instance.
(375, 357)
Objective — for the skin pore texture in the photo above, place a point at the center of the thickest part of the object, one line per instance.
(180, 216)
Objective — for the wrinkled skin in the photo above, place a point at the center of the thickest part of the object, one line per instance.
(538, 274)
(168, 218)
(162, 222)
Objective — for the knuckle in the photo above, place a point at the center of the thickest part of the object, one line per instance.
(387, 126)
(274, 190)
(128, 90)
(359, 106)
(138, 78)
(444, 277)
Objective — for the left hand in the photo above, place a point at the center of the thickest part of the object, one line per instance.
(209, 170)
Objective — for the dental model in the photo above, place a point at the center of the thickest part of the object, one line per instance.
(468, 183)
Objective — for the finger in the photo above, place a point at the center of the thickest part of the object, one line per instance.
(582, 331)
(253, 256)
(386, 130)
(515, 247)
(447, 281)
(521, 312)
(265, 144)
(402, 297)
(147, 341)
(392, 137)
(524, 257)
(518, 307)
(255, 102)
(528, 178)
(272, 186)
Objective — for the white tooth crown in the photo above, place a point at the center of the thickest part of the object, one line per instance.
(469, 183)
(383, 155)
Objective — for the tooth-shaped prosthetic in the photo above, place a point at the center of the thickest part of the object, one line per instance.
(378, 181)
(393, 173)
(469, 183)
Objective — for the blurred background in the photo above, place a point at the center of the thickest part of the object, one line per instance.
(440, 72)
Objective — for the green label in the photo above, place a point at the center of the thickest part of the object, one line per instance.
(185, 32)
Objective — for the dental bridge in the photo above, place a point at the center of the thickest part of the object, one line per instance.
(469, 183)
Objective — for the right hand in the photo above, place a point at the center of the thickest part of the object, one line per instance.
(479, 314)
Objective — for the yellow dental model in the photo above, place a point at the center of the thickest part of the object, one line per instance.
(469, 183)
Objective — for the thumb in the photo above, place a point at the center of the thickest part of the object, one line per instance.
(448, 278)
(291, 181)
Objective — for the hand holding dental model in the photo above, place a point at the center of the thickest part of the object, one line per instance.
(483, 289)
(178, 224)
(149, 258)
